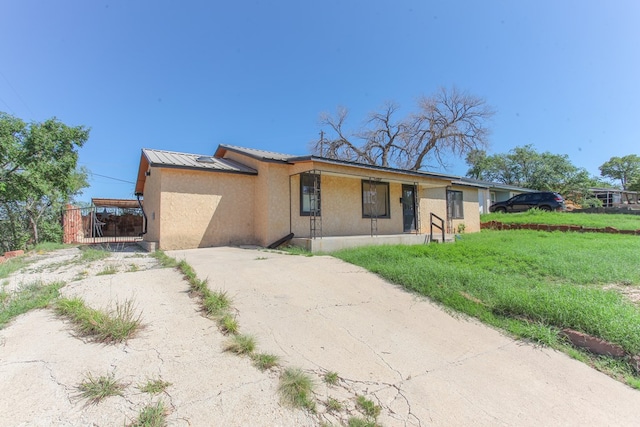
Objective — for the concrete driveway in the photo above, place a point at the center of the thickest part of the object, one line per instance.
(422, 365)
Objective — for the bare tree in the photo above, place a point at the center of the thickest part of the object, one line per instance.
(449, 122)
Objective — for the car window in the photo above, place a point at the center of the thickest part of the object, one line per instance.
(518, 199)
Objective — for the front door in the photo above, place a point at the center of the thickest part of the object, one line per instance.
(408, 207)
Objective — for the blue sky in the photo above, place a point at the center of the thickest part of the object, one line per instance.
(187, 76)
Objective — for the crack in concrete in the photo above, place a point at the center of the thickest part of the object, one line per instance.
(462, 360)
(46, 365)
(354, 304)
(228, 390)
(377, 354)
(410, 414)
(56, 381)
(354, 388)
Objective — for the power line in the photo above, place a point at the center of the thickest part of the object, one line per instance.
(8, 108)
(110, 177)
(17, 94)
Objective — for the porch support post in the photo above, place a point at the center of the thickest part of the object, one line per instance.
(315, 209)
(416, 204)
(373, 200)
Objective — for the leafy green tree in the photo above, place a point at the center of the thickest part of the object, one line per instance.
(626, 169)
(38, 174)
(525, 167)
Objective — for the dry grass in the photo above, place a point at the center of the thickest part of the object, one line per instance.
(108, 326)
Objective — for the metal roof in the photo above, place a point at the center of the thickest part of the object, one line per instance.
(257, 154)
(194, 161)
(423, 174)
(290, 158)
(115, 203)
(496, 185)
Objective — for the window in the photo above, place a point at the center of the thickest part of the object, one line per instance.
(454, 204)
(375, 199)
(309, 194)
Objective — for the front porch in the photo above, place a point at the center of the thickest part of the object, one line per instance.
(334, 243)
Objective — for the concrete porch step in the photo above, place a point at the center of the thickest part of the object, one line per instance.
(334, 243)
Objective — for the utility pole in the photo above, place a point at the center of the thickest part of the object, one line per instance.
(321, 143)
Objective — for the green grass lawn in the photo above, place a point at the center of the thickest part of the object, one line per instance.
(529, 283)
(534, 216)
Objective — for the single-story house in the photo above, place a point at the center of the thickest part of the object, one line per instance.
(614, 197)
(492, 192)
(245, 196)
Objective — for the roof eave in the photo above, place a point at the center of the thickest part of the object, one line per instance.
(372, 167)
(222, 150)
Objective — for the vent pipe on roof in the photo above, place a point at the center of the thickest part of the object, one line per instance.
(205, 159)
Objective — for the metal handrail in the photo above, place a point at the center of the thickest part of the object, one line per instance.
(433, 224)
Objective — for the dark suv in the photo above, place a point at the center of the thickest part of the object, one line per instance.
(546, 201)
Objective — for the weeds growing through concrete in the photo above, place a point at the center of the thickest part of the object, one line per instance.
(108, 326)
(153, 415)
(96, 389)
(109, 269)
(240, 344)
(228, 324)
(81, 275)
(362, 422)
(331, 378)
(295, 250)
(367, 406)
(264, 361)
(216, 303)
(164, 259)
(35, 295)
(296, 389)
(333, 405)
(154, 386)
(90, 255)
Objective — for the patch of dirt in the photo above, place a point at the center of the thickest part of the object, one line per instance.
(629, 291)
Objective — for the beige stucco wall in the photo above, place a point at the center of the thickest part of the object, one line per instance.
(435, 200)
(188, 209)
(470, 208)
(202, 209)
(271, 194)
(271, 202)
(341, 206)
(152, 209)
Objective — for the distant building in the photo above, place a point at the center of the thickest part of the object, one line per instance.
(614, 197)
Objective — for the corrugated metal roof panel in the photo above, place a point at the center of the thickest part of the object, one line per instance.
(194, 161)
(115, 203)
(259, 154)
